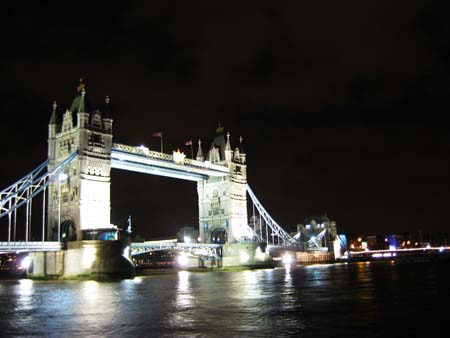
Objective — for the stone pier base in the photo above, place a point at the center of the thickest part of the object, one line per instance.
(91, 259)
(246, 254)
(234, 255)
(46, 265)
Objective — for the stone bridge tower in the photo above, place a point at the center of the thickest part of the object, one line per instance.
(79, 201)
(222, 201)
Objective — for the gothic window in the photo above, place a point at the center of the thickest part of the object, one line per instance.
(96, 139)
(96, 120)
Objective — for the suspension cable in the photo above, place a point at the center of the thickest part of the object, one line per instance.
(275, 228)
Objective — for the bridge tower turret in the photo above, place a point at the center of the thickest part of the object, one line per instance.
(199, 156)
(79, 201)
(223, 200)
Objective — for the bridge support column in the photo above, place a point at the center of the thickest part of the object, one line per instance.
(98, 259)
(246, 254)
(222, 203)
(83, 259)
(46, 265)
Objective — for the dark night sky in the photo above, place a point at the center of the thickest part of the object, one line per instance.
(342, 104)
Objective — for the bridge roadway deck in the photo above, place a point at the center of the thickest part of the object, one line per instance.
(9, 247)
(197, 249)
(143, 160)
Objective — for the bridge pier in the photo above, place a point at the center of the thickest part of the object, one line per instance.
(46, 264)
(98, 259)
(93, 259)
(246, 254)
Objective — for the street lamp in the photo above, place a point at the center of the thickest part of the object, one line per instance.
(62, 177)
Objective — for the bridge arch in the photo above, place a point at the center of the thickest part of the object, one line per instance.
(68, 231)
(219, 236)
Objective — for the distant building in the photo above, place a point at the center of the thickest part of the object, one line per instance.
(318, 233)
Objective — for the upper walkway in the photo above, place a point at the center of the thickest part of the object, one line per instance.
(22, 246)
(143, 160)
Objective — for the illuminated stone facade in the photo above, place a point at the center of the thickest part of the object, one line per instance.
(80, 199)
(222, 201)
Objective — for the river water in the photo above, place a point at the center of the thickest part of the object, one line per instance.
(338, 300)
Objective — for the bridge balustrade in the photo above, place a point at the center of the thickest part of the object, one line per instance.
(29, 246)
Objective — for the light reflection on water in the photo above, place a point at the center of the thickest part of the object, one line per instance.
(355, 300)
(182, 315)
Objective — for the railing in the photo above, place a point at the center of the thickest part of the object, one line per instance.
(199, 249)
(30, 246)
(143, 151)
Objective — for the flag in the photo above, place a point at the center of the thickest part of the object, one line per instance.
(188, 143)
(157, 134)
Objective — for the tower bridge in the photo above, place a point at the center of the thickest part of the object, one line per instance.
(76, 189)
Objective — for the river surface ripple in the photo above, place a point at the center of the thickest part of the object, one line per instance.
(338, 300)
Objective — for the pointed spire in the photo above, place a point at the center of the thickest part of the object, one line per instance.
(107, 109)
(228, 146)
(81, 86)
(199, 156)
(54, 118)
(228, 151)
(82, 106)
(219, 129)
(241, 148)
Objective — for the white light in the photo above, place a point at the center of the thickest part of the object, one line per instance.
(376, 255)
(199, 239)
(182, 259)
(178, 157)
(126, 252)
(387, 254)
(244, 257)
(441, 249)
(259, 254)
(287, 259)
(392, 247)
(144, 149)
(187, 239)
(62, 176)
(26, 262)
(88, 257)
